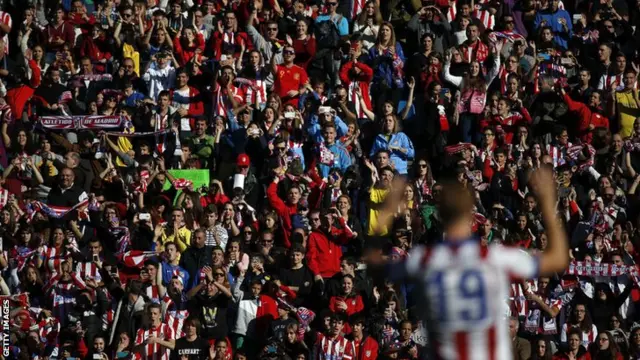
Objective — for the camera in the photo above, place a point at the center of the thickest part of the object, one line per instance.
(144, 217)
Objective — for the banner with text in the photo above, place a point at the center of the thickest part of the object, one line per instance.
(82, 122)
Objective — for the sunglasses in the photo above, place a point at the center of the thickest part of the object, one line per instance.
(332, 4)
(288, 52)
(423, 166)
(219, 275)
(127, 15)
(272, 29)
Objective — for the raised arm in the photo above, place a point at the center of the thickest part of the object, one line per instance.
(556, 256)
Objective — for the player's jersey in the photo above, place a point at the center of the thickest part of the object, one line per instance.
(465, 287)
(154, 351)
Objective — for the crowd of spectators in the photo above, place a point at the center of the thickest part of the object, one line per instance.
(304, 117)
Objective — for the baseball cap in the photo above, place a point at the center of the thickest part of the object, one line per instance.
(243, 160)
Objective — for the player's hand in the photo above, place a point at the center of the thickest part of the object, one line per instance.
(540, 181)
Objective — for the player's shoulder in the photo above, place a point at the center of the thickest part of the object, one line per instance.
(497, 250)
(445, 253)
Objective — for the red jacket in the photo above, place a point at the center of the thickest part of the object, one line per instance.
(64, 31)
(587, 117)
(507, 125)
(284, 211)
(324, 253)
(266, 313)
(305, 51)
(96, 49)
(354, 306)
(582, 355)
(78, 21)
(18, 97)
(184, 54)
(217, 199)
(366, 349)
(347, 76)
(489, 170)
(217, 41)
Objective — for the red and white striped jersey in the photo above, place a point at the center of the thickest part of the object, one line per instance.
(173, 316)
(222, 104)
(52, 258)
(518, 301)
(257, 95)
(485, 17)
(5, 17)
(558, 153)
(154, 351)
(88, 270)
(465, 286)
(358, 6)
(452, 11)
(153, 293)
(333, 349)
(607, 81)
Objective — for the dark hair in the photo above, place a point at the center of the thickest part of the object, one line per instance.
(456, 202)
(298, 248)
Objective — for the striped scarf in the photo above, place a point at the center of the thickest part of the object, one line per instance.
(588, 268)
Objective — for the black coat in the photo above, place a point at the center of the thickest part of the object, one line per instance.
(192, 260)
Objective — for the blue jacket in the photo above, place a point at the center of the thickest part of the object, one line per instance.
(341, 160)
(314, 130)
(382, 65)
(168, 270)
(398, 158)
(132, 100)
(553, 20)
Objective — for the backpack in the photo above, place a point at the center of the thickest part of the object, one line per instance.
(327, 34)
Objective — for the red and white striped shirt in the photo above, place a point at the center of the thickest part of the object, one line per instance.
(155, 351)
(484, 16)
(558, 154)
(222, 104)
(153, 293)
(452, 11)
(259, 94)
(607, 81)
(465, 285)
(333, 349)
(52, 258)
(88, 270)
(173, 317)
(358, 6)
(518, 301)
(5, 17)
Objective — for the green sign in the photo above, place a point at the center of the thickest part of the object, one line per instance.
(198, 177)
